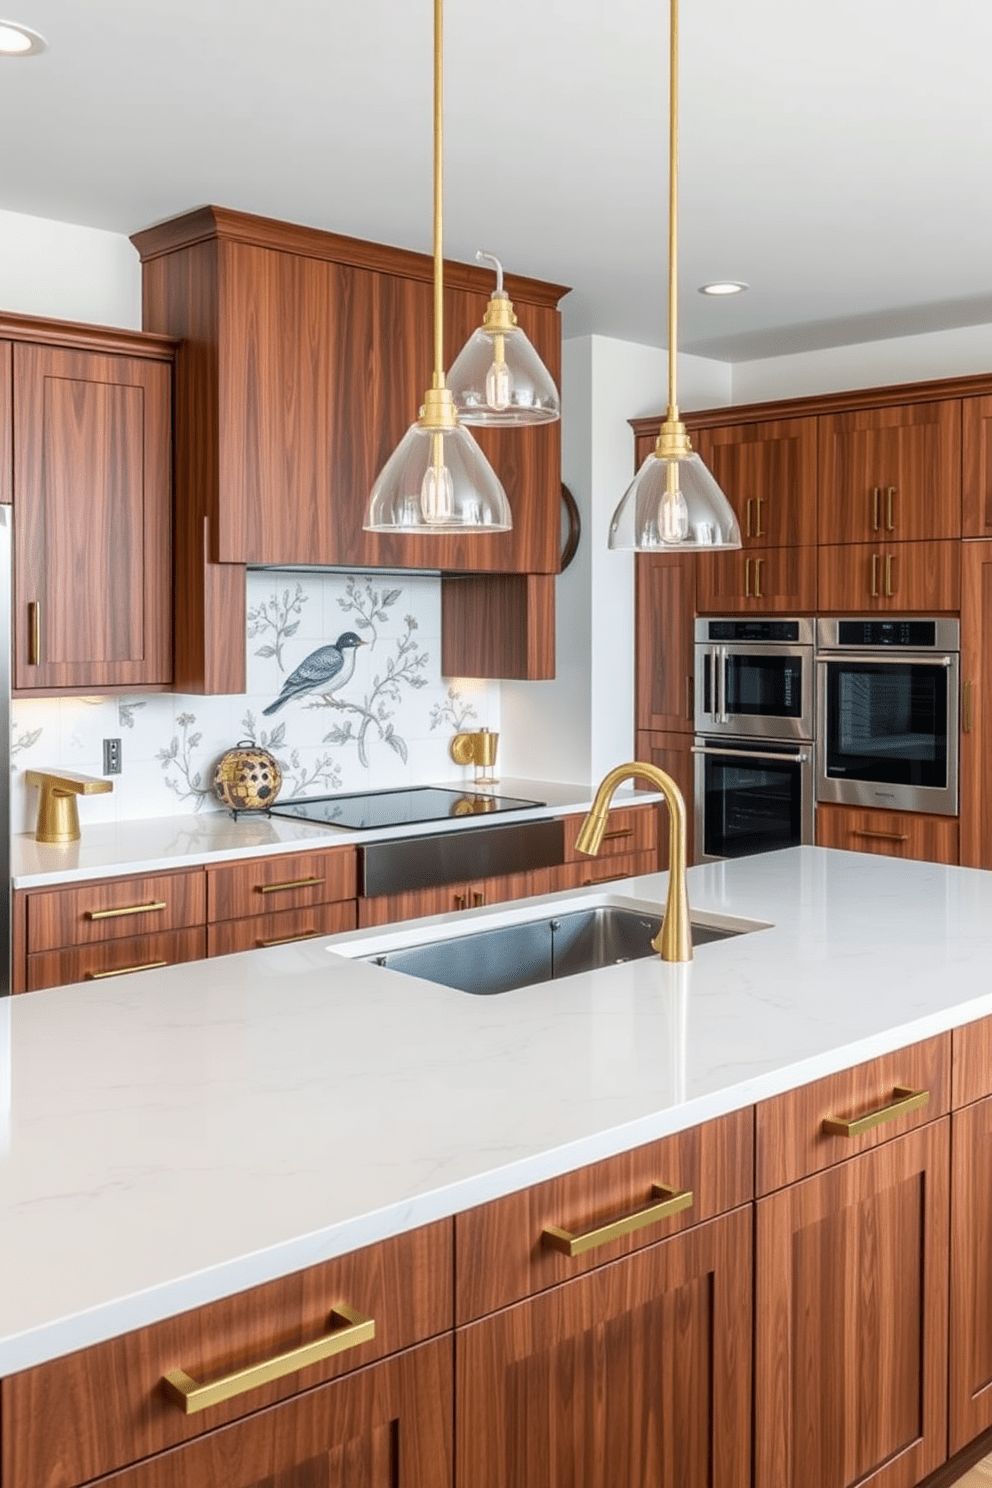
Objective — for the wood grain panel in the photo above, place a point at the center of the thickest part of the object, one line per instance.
(976, 467)
(92, 470)
(604, 870)
(851, 1321)
(137, 953)
(59, 1431)
(971, 1063)
(65, 916)
(264, 885)
(673, 754)
(629, 829)
(6, 423)
(19, 941)
(388, 909)
(286, 925)
(889, 834)
(500, 1254)
(636, 1374)
(864, 578)
(665, 607)
(765, 580)
(498, 625)
(768, 472)
(789, 1140)
(970, 1329)
(975, 760)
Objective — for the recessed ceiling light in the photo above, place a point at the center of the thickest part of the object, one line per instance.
(723, 287)
(19, 41)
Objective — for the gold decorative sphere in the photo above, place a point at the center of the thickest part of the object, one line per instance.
(247, 778)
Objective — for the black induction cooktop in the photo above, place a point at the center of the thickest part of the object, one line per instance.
(397, 808)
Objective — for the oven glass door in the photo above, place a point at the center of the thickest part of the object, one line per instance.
(751, 798)
(755, 690)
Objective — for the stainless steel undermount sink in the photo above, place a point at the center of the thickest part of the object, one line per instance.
(542, 949)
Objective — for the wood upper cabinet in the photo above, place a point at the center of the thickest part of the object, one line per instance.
(768, 473)
(975, 759)
(92, 508)
(976, 467)
(851, 1321)
(6, 422)
(665, 610)
(762, 581)
(636, 1373)
(891, 474)
(862, 578)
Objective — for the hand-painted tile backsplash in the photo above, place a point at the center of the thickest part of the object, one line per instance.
(344, 688)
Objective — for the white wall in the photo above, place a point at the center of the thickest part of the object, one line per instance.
(68, 272)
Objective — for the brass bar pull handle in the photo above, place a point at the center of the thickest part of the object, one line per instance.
(192, 1397)
(672, 1202)
(876, 495)
(460, 901)
(889, 560)
(617, 833)
(758, 532)
(885, 836)
(478, 899)
(293, 883)
(757, 578)
(100, 976)
(903, 1101)
(750, 503)
(874, 575)
(287, 939)
(966, 707)
(152, 907)
(889, 521)
(613, 878)
(34, 633)
(747, 578)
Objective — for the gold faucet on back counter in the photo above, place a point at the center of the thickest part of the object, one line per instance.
(674, 939)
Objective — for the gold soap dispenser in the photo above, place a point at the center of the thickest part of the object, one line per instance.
(58, 817)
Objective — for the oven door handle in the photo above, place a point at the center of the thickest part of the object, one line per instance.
(724, 715)
(801, 756)
(711, 656)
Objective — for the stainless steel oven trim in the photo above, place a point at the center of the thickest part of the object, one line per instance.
(947, 633)
(704, 748)
(805, 629)
(711, 662)
(876, 794)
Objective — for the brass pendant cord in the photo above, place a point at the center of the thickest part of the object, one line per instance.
(438, 381)
(673, 210)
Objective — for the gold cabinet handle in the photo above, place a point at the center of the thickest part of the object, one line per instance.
(886, 836)
(757, 578)
(874, 575)
(747, 578)
(460, 901)
(758, 531)
(287, 939)
(966, 707)
(192, 1397)
(889, 560)
(672, 1202)
(889, 521)
(750, 503)
(478, 899)
(613, 878)
(617, 833)
(100, 976)
(876, 494)
(152, 907)
(34, 633)
(903, 1101)
(292, 883)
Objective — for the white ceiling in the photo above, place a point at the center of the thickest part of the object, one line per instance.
(836, 154)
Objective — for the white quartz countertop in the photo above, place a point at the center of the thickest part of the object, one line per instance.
(174, 1136)
(158, 844)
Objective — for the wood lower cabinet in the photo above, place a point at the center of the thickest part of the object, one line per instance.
(768, 472)
(975, 760)
(970, 1340)
(665, 606)
(673, 754)
(765, 580)
(864, 578)
(385, 909)
(637, 1373)
(851, 1321)
(114, 958)
(976, 467)
(894, 834)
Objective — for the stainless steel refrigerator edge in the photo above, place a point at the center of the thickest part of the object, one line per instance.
(5, 896)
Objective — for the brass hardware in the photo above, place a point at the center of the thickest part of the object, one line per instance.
(129, 909)
(674, 939)
(460, 901)
(876, 497)
(478, 899)
(750, 503)
(293, 883)
(672, 1202)
(192, 1397)
(874, 575)
(758, 530)
(966, 707)
(747, 578)
(478, 749)
(904, 1100)
(757, 578)
(288, 939)
(889, 523)
(58, 817)
(613, 878)
(99, 976)
(34, 633)
(888, 575)
(617, 833)
(886, 836)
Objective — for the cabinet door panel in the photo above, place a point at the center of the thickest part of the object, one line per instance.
(6, 422)
(92, 471)
(851, 1321)
(636, 1374)
(970, 1341)
(975, 785)
(673, 753)
(891, 474)
(897, 577)
(768, 474)
(665, 607)
(892, 834)
(766, 579)
(976, 467)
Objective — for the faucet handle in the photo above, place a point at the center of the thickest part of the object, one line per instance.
(58, 817)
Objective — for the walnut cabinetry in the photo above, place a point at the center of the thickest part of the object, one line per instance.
(865, 578)
(275, 900)
(975, 756)
(970, 1350)
(673, 754)
(894, 834)
(768, 472)
(665, 609)
(766, 581)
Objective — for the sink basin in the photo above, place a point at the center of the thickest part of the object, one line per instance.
(539, 950)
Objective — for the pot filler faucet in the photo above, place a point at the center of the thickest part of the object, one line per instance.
(674, 939)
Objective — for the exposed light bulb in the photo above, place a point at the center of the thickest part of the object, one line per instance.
(499, 380)
(673, 516)
(437, 490)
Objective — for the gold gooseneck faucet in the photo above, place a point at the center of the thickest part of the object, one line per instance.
(674, 939)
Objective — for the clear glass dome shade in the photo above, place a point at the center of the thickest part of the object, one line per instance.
(437, 480)
(502, 385)
(674, 504)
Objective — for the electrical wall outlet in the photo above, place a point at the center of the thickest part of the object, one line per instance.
(111, 756)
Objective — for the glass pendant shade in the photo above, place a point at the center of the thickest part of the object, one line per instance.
(435, 481)
(498, 380)
(674, 504)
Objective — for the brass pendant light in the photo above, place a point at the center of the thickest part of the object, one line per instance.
(673, 502)
(437, 479)
(497, 378)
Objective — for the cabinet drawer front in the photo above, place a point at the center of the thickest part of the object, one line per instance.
(504, 1255)
(281, 928)
(890, 576)
(630, 829)
(971, 1062)
(791, 1139)
(763, 580)
(115, 958)
(893, 834)
(600, 869)
(115, 907)
(291, 881)
(105, 1406)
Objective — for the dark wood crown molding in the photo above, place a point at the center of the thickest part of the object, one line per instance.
(65, 333)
